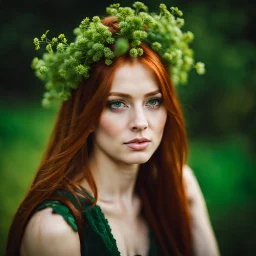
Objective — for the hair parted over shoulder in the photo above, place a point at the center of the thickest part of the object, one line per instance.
(160, 181)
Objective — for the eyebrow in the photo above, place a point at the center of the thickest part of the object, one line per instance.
(128, 96)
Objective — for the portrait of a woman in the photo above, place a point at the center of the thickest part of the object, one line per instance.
(114, 178)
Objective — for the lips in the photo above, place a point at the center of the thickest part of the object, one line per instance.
(138, 140)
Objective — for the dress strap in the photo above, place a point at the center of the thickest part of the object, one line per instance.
(59, 208)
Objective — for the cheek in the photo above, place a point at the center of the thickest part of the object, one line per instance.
(159, 122)
(109, 125)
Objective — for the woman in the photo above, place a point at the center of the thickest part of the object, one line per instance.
(114, 170)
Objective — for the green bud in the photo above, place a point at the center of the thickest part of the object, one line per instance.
(82, 42)
(78, 54)
(124, 27)
(47, 95)
(49, 48)
(90, 52)
(110, 40)
(177, 53)
(74, 85)
(96, 19)
(90, 44)
(167, 56)
(162, 7)
(98, 47)
(64, 95)
(61, 36)
(96, 37)
(60, 47)
(179, 22)
(140, 6)
(133, 52)
(188, 60)
(43, 69)
(116, 6)
(43, 37)
(36, 41)
(200, 68)
(126, 11)
(188, 37)
(136, 22)
(49, 86)
(85, 21)
(84, 24)
(107, 33)
(175, 10)
(121, 46)
(140, 51)
(47, 57)
(111, 11)
(54, 40)
(156, 46)
(77, 31)
(34, 63)
(46, 103)
(139, 34)
(63, 73)
(189, 52)
(108, 62)
(123, 24)
(183, 77)
(148, 19)
(73, 61)
(135, 43)
(97, 56)
(103, 29)
(175, 79)
(108, 53)
(179, 62)
(81, 70)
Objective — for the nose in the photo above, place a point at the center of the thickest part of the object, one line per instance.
(139, 120)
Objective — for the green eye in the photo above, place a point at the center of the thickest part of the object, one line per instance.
(115, 104)
(153, 101)
(118, 104)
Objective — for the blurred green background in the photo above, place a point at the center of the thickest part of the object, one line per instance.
(219, 108)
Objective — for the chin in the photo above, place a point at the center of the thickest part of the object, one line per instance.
(138, 159)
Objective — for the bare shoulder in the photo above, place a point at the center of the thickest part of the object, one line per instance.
(204, 241)
(194, 192)
(188, 174)
(49, 234)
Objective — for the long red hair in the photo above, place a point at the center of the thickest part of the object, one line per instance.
(160, 182)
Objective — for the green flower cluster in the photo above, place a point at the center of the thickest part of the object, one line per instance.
(64, 65)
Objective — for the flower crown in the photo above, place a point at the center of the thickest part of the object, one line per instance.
(64, 65)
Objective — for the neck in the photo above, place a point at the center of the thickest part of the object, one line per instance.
(115, 180)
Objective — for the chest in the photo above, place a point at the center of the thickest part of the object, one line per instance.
(131, 235)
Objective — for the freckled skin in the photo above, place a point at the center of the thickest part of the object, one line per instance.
(134, 118)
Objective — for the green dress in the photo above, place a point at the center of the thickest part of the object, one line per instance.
(98, 239)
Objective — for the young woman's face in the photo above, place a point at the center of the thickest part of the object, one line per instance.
(134, 110)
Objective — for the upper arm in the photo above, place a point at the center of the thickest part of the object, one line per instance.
(204, 241)
(48, 234)
(194, 193)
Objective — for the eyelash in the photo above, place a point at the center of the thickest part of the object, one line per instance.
(110, 103)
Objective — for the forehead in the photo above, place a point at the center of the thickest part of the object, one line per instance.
(134, 79)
